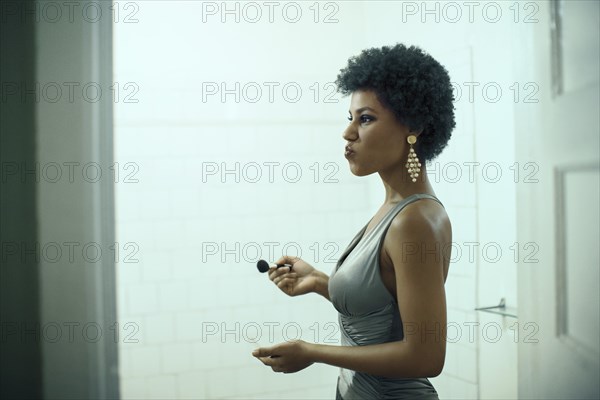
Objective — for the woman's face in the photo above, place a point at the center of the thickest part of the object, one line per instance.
(376, 138)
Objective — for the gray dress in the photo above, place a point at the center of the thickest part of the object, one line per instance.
(368, 313)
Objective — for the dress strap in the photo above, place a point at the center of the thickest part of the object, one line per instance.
(425, 196)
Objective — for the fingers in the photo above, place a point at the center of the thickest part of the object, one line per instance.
(266, 355)
(258, 353)
(285, 283)
(275, 273)
(273, 362)
(290, 276)
(272, 270)
(270, 356)
(283, 278)
(287, 260)
(262, 352)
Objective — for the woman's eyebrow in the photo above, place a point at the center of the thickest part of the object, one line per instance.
(362, 109)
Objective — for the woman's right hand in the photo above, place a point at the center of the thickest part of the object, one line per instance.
(300, 280)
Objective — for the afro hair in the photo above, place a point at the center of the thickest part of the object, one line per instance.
(410, 83)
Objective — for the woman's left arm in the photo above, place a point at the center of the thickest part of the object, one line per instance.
(419, 268)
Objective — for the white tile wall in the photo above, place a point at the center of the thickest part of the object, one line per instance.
(178, 290)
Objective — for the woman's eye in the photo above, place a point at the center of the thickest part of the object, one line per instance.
(363, 118)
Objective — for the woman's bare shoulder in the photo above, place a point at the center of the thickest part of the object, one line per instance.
(424, 215)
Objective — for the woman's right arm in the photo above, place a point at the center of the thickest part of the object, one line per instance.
(321, 284)
(301, 279)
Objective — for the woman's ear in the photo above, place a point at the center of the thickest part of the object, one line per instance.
(416, 132)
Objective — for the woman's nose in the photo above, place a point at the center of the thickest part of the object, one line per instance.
(350, 133)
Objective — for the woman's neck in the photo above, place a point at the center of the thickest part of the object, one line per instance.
(399, 185)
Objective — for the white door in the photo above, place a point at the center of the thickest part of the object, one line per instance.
(558, 202)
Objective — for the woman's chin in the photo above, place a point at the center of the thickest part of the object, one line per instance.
(359, 172)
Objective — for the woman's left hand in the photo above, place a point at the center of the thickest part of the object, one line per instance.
(286, 357)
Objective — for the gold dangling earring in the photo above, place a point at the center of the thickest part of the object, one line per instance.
(413, 163)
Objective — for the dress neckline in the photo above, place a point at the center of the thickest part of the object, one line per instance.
(404, 200)
(362, 234)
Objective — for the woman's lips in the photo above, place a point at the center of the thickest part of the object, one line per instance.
(348, 152)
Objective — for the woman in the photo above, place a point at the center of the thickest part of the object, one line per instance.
(388, 285)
